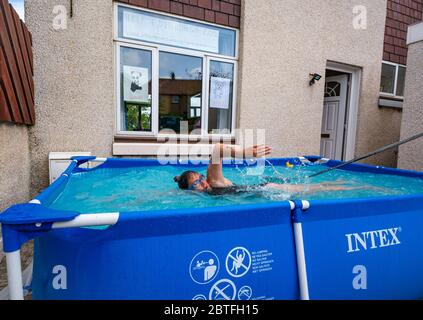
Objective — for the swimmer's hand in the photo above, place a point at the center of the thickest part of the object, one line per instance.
(221, 151)
(257, 151)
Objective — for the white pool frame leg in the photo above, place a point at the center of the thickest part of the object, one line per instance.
(14, 275)
(301, 263)
(13, 259)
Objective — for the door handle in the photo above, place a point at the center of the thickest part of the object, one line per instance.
(325, 136)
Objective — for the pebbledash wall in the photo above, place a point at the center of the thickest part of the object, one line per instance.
(74, 82)
(411, 155)
(14, 164)
(280, 43)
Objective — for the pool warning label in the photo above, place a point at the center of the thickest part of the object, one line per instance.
(262, 261)
(204, 267)
(238, 262)
(235, 283)
(223, 290)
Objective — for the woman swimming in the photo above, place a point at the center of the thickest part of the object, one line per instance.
(216, 184)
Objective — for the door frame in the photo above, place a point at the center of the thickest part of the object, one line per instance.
(352, 105)
(339, 142)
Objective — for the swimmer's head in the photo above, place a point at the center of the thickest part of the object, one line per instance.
(191, 180)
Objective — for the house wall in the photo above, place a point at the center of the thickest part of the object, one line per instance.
(277, 55)
(411, 154)
(14, 164)
(73, 82)
(400, 14)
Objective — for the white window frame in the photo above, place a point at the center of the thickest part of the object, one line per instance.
(234, 96)
(154, 90)
(393, 95)
(156, 49)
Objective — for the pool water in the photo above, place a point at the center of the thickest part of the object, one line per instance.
(153, 188)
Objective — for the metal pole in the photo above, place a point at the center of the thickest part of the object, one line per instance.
(301, 263)
(14, 275)
(89, 220)
(391, 146)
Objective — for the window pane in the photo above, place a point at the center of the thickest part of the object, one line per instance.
(387, 84)
(138, 117)
(135, 79)
(401, 81)
(180, 92)
(332, 89)
(221, 97)
(170, 31)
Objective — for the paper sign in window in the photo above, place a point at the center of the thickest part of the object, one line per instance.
(169, 31)
(220, 90)
(135, 84)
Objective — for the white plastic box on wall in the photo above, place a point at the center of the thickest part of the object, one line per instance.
(59, 161)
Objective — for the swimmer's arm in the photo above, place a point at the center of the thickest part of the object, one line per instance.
(222, 151)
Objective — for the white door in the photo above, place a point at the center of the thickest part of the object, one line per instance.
(334, 112)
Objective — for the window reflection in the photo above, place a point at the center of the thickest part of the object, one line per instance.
(221, 97)
(401, 81)
(180, 92)
(388, 78)
(136, 88)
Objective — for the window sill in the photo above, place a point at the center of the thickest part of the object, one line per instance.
(165, 149)
(391, 102)
(388, 96)
(126, 137)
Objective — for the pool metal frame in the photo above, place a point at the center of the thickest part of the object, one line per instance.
(18, 230)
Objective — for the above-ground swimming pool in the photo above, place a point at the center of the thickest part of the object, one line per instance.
(123, 230)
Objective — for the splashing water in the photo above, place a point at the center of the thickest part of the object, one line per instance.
(153, 188)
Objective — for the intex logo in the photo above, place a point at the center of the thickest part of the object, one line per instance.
(373, 239)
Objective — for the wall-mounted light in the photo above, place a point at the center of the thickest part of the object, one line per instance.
(315, 77)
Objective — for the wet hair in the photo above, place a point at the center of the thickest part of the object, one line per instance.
(182, 180)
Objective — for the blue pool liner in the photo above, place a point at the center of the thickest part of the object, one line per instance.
(350, 249)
